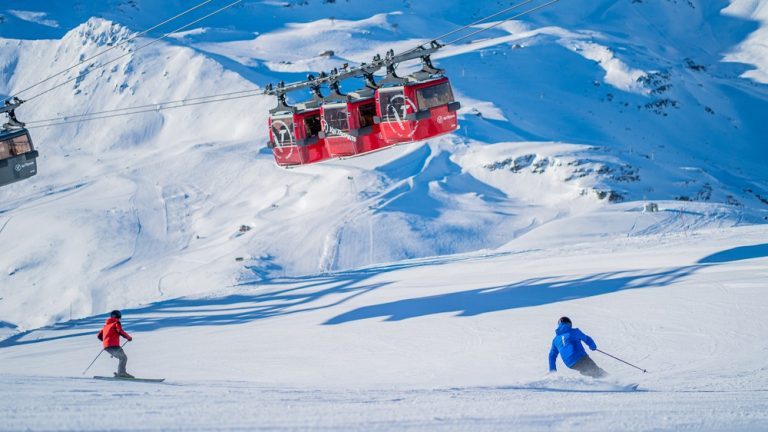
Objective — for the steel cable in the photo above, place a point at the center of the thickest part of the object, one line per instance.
(137, 35)
(86, 119)
(79, 118)
(154, 105)
(86, 72)
(501, 12)
(501, 22)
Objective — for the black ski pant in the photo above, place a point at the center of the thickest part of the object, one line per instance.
(587, 366)
(118, 353)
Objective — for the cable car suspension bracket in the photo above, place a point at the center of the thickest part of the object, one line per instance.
(10, 109)
(365, 70)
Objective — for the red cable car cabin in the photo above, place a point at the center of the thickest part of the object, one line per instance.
(348, 126)
(416, 111)
(293, 136)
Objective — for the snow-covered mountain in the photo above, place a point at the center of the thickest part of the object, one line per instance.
(574, 108)
(574, 118)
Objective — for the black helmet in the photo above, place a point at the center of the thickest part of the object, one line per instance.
(116, 314)
(564, 320)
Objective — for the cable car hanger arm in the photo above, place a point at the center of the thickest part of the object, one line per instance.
(364, 69)
(391, 59)
(9, 108)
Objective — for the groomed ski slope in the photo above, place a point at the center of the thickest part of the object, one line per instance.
(445, 343)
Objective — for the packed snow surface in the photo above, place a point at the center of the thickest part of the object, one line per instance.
(445, 343)
(609, 166)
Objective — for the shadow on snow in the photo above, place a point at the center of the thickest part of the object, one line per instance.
(540, 291)
(307, 294)
(526, 293)
(303, 294)
(314, 293)
(737, 254)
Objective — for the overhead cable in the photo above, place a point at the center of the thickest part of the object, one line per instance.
(138, 107)
(137, 35)
(481, 20)
(87, 71)
(526, 12)
(117, 112)
(155, 109)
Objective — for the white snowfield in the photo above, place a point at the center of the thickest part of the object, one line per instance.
(609, 166)
(444, 343)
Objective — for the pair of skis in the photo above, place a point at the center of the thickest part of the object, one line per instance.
(119, 378)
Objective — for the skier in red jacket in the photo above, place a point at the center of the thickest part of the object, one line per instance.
(110, 335)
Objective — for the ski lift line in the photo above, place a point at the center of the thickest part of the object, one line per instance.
(137, 35)
(526, 12)
(152, 42)
(154, 105)
(364, 68)
(481, 20)
(413, 53)
(82, 120)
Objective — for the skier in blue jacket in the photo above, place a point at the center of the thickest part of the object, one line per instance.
(567, 343)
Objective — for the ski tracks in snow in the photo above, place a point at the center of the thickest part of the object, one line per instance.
(33, 402)
(176, 200)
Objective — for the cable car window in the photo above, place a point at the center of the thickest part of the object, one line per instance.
(393, 105)
(282, 131)
(5, 149)
(430, 97)
(312, 125)
(337, 120)
(367, 112)
(21, 145)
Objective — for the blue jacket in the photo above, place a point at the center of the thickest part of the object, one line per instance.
(567, 343)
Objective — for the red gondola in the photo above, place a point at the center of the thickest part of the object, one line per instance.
(294, 134)
(416, 111)
(400, 110)
(348, 126)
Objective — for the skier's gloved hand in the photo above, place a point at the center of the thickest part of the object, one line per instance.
(130, 338)
(593, 347)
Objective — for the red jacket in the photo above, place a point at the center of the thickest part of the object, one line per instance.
(111, 333)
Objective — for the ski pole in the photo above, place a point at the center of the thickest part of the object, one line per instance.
(98, 355)
(94, 361)
(616, 358)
